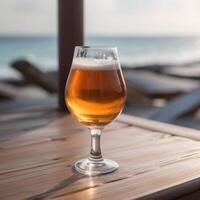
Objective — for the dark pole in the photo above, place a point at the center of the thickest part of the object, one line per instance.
(70, 34)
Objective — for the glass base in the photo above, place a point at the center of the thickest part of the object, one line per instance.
(95, 167)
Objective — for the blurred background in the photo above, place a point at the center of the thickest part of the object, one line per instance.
(158, 43)
(145, 31)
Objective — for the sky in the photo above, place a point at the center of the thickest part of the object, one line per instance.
(105, 17)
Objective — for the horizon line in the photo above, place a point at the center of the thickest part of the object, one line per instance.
(102, 35)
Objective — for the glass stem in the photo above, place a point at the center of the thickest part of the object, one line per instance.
(95, 153)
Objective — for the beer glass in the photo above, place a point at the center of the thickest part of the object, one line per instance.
(95, 95)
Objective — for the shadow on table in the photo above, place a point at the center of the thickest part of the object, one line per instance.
(72, 179)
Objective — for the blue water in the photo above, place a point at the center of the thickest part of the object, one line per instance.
(132, 50)
(150, 50)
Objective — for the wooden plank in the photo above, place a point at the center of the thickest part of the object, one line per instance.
(157, 86)
(34, 75)
(146, 111)
(13, 127)
(142, 162)
(162, 127)
(124, 189)
(27, 125)
(181, 105)
(152, 162)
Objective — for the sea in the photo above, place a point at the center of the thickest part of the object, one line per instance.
(133, 51)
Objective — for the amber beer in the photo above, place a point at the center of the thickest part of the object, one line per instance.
(95, 92)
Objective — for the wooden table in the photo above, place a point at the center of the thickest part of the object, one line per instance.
(157, 161)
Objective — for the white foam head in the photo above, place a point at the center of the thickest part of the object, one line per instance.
(94, 64)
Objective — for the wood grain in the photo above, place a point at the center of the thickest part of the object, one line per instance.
(162, 127)
(157, 161)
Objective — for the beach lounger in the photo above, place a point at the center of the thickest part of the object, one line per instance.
(189, 72)
(34, 75)
(155, 85)
(179, 106)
